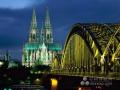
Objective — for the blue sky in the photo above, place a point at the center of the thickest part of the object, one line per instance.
(15, 17)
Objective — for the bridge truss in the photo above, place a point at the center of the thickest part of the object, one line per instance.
(92, 49)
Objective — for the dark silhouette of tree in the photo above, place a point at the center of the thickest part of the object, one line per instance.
(42, 68)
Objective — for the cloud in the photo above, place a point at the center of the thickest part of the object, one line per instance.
(19, 4)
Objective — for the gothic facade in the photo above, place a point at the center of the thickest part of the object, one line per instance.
(40, 48)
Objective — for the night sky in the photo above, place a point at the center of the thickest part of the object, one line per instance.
(15, 18)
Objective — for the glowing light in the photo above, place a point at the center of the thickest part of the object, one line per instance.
(37, 81)
(54, 82)
(1, 63)
(9, 89)
(79, 88)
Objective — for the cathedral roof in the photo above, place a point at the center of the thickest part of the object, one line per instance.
(32, 46)
(54, 46)
(50, 46)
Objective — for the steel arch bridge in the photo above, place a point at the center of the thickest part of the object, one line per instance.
(92, 49)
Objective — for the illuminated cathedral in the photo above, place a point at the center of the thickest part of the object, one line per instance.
(40, 48)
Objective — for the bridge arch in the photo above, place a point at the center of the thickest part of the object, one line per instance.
(94, 37)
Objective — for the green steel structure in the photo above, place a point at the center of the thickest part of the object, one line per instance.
(92, 49)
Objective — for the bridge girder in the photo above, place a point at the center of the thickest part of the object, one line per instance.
(97, 35)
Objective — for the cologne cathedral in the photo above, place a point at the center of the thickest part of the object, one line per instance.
(40, 48)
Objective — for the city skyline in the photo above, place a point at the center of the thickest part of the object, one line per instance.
(16, 18)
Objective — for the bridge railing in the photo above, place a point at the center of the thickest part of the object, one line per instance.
(112, 75)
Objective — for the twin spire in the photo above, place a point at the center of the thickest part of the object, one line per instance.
(47, 19)
(46, 31)
(34, 21)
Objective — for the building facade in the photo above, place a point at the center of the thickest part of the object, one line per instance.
(40, 48)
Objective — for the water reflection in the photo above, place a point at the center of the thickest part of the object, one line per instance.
(54, 84)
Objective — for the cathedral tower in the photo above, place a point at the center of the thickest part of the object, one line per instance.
(33, 36)
(48, 28)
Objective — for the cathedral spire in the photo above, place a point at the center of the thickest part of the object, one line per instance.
(48, 28)
(47, 19)
(33, 37)
(34, 21)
